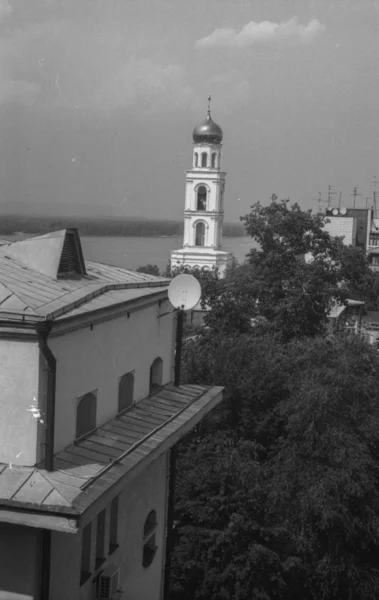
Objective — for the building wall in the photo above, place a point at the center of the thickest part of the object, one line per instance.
(20, 562)
(19, 367)
(146, 492)
(95, 359)
(342, 226)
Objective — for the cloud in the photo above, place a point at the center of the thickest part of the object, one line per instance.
(95, 70)
(263, 32)
(5, 10)
(154, 87)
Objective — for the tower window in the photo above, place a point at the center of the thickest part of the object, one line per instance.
(202, 198)
(204, 159)
(196, 159)
(200, 234)
(214, 155)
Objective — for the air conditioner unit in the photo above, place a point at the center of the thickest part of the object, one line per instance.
(109, 583)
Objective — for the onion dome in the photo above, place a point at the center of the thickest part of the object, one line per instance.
(208, 131)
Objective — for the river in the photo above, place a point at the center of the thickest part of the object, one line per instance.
(133, 252)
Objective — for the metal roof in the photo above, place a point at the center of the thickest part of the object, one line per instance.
(87, 469)
(29, 293)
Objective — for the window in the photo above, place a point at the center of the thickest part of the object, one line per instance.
(156, 374)
(214, 155)
(375, 259)
(200, 234)
(86, 415)
(196, 159)
(204, 160)
(85, 568)
(201, 198)
(125, 391)
(113, 544)
(149, 538)
(374, 240)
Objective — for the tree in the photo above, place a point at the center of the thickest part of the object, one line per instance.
(294, 277)
(149, 270)
(292, 474)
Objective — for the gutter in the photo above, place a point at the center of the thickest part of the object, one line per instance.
(170, 521)
(43, 329)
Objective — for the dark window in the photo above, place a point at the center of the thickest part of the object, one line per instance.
(125, 391)
(202, 198)
(85, 568)
(113, 543)
(86, 415)
(200, 234)
(196, 159)
(214, 160)
(204, 160)
(149, 539)
(156, 375)
(100, 535)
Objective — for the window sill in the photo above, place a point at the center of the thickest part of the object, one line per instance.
(112, 548)
(99, 562)
(84, 576)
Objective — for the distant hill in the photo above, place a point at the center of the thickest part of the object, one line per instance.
(130, 227)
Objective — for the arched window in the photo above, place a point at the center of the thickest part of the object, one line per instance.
(125, 391)
(196, 159)
(86, 415)
(214, 156)
(149, 539)
(156, 374)
(201, 198)
(200, 234)
(204, 159)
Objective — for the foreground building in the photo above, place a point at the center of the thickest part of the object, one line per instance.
(89, 423)
(204, 203)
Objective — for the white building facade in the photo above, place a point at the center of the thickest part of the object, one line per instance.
(204, 203)
(89, 424)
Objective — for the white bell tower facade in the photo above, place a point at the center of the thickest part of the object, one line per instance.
(204, 203)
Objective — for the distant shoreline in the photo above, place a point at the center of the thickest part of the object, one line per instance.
(93, 227)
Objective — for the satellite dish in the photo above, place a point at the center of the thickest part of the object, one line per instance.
(343, 210)
(335, 211)
(184, 292)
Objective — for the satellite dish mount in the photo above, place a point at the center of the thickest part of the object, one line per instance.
(184, 292)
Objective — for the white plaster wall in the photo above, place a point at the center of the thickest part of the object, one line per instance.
(95, 359)
(19, 370)
(20, 562)
(341, 226)
(146, 492)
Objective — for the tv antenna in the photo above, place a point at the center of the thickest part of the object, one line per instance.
(331, 193)
(319, 201)
(184, 292)
(355, 194)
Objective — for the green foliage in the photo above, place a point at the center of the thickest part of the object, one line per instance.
(282, 483)
(294, 277)
(149, 270)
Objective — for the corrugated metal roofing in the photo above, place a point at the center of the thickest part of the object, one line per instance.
(28, 292)
(88, 468)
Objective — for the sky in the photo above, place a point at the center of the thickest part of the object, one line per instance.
(98, 100)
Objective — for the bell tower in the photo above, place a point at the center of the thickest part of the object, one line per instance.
(204, 202)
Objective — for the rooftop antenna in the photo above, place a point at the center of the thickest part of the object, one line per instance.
(330, 194)
(184, 292)
(374, 194)
(355, 194)
(319, 201)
